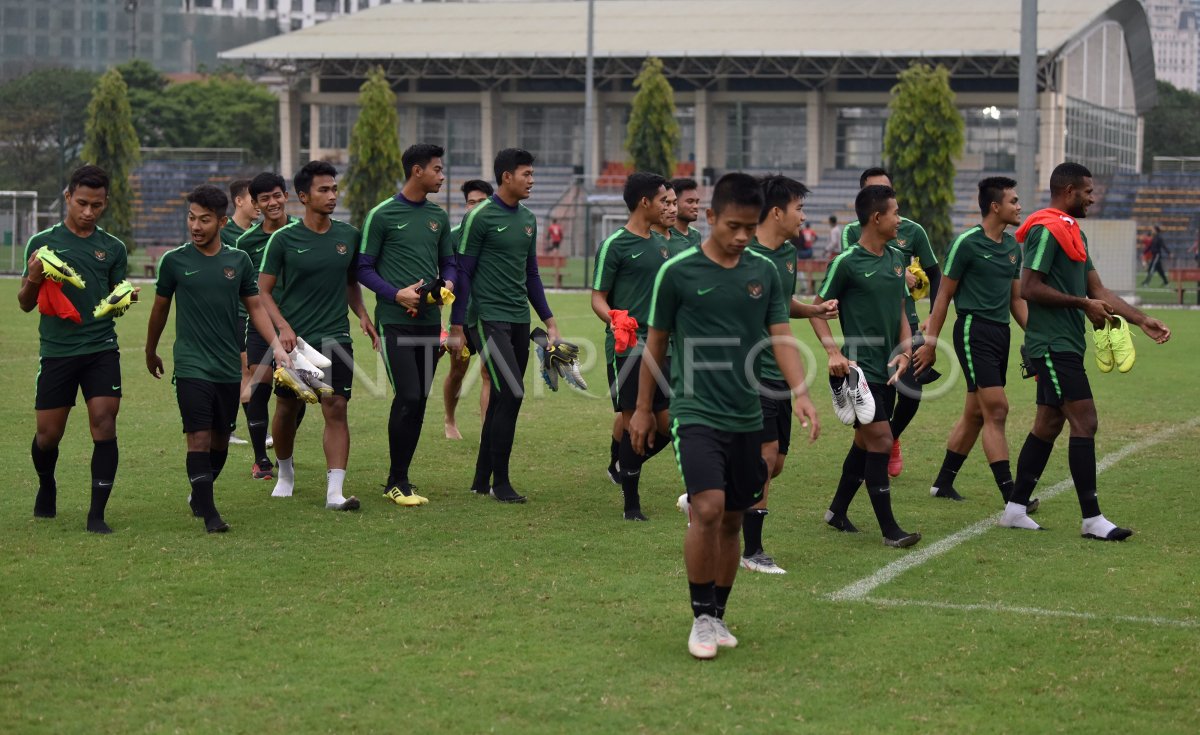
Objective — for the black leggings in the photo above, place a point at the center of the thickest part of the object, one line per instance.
(505, 352)
(410, 354)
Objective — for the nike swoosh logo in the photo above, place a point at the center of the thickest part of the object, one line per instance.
(305, 250)
(190, 273)
(987, 257)
(635, 256)
(104, 484)
(401, 227)
(868, 275)
(502, 229)
(703, 291)
(259, 250)
(196, 479)
(116, 387)
(62, 250)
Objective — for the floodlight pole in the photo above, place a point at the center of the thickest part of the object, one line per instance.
(1027, 107)
(589, 128)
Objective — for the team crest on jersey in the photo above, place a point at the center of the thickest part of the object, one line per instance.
(433, 226)
(755, 289)
(1012, 258)
(900, 243)
(100, 255)
(341, 248)
(528, 231)
(664, 252)
(898, 269)
(230, 272)
(791, 267)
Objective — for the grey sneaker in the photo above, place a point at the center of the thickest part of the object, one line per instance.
(725, 639)
(702, 643)
(760, 562)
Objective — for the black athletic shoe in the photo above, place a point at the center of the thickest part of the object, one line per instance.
(635, 515)
(1033, 506)
(46, 504)
(506, 494)
(948, 493)
(613, 469)
(215, 525)
(1117, 534)
(902, 542)
(97, 525)
(841, 523)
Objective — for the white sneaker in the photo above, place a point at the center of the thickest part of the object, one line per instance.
(685, 507)
(725, 639)
(842, 405)
(702, 643)
(1017, 516)
(860, 395)
(760, 562)
(237, 441)
(313, 356)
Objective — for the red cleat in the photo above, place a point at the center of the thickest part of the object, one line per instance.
(896, 461)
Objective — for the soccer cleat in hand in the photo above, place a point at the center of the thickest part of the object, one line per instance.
(558, 360)
(920, 289)
(435, 293)
(116, 303)
(56, 269)
(312, 376)
(314, 356)
(289, 379)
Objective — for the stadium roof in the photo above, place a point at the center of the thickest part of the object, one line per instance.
(800, 39)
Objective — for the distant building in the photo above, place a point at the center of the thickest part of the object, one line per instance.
(288, 15)
(1174, 31)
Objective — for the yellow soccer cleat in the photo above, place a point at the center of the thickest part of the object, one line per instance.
(1122, 345)
(1102, 338)
(117, 302)
(56, 269)
(288, 379)
(921, 288)
(405, 496)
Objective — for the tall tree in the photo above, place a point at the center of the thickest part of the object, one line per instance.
(42, 125)
(653, 131)
(375, 164)
(112, 144)
(924, 135)
(1171, 128)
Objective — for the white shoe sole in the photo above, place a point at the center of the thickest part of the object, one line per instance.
(754, 566)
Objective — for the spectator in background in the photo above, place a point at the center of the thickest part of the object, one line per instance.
(835, 237)
(1158, 249)
(554, 233)
(805, 242)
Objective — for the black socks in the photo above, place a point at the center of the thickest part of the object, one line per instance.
(631, 471)
(44, 462)
(852, 477)
(1003, 476)
(1031, 463)
(217, 461)
(951, 464)
(704, 598)
(878, 489)
(1081, 457)
(200, 477)
(752, 526)
(722, 597)
(104, 472)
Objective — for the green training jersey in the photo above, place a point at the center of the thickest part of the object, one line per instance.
(1051, 328)
(407, 240)
(208, 289)
(715, 316)
(101, 261)
(314, 269)
(254, 241)
(985, 270)
(692, 236)
(911, 240)
(502, 239)
(870, 291)
(784, 260)
(231, 232)
(626, 268)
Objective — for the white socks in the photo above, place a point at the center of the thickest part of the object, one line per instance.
(1015, 516)
(1097, 526)
(333, 488)
(286, 479)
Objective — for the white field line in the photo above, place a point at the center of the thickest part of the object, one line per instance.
(1035, 611)
(863, 587)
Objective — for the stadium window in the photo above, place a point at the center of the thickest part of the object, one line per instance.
(457, 128)
(553, 133)
(859, 137)
(41, 18)
(1104, 140)
(616, 121)
(336, 123)
(761, 137)
(991, 136)
(685, 150)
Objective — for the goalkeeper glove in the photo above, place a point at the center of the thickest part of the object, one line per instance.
(558, 359)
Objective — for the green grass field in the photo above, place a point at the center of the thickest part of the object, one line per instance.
(557, 616)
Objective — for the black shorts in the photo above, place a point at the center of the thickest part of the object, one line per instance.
(982, 349)
(627, 378)
(241, 332)
(711, 459)
(339, 375)
(1061, 378)
(885, 401)
(258, 352)
(777, 414)
(612, 384)
(472, 339)
(207, 406)
(60, 379)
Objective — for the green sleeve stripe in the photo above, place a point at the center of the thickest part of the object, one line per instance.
(1041, 250)
(270, 240)
(466, 225)
(846, 235)
(920, 227)
(600, 258)
(833, 266)
(238, 242)
(362, 247)
(954, 248)
(30, 246)
(658, 279)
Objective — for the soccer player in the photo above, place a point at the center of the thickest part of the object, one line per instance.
(474, 192)
(687, 193)
(313, 260)
(498, 272)
(780, 220)
(712, 302)
(270, 194)
(912, 241)
(835, 237)
(671, 217)
(407, 241)
(209, 281)
(867, 279)
(244, 213)
(77, 355)
(628, 263)
(1063, 289)
(983, 272)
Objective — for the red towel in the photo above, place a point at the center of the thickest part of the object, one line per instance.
(53, 302)
(624, 329)
(1062, 226)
